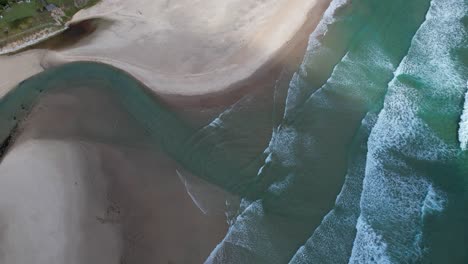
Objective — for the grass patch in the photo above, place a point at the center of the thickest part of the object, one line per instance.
(20, 11)
(25, 18)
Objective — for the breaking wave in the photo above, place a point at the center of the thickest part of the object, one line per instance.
(463, 131)
(411, 136)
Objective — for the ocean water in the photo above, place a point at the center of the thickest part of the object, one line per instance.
(414, 158)
(340, 223)
(308, 154)
(362, 160)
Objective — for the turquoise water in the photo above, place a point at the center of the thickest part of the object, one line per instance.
(365, 164)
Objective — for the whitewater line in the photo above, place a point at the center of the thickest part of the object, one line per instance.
(339, 223)
(318, 53)
(463, 130)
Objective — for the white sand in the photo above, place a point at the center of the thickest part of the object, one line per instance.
(46, 212)
(14, 69)
(191, 47)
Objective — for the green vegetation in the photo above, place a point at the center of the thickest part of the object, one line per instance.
(21, 18)
(20, 11)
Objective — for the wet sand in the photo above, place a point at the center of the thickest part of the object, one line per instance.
(14, 69)
(86, 136)
(83, 184)
(90, 160)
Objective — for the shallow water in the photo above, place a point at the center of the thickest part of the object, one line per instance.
(366, 165)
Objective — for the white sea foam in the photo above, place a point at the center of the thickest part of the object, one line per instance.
(372, 248)
(281, 149)
(434, 202)
(248, 244)
(397, 196)
(393, 192)
(280, 186)
(288, 144)
(391, 220)
(322, 28)
(314, 48)
(268, 160)
(463, 130)
(295, 94)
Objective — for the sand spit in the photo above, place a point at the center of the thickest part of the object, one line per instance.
(190, 47)
(72, 192)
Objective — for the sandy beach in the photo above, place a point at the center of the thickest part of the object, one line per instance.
(88, 195)
(92, 175)
(15, 69)
(192, 47)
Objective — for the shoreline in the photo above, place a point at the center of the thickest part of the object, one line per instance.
(280, 68)
(26, 42)
(223, 77)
